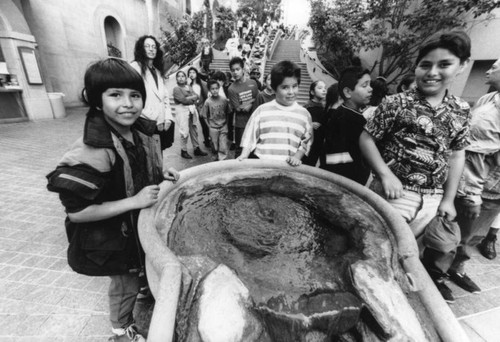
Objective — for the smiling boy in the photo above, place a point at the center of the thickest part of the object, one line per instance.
(280, 129)
(415, 143)
(341, 149)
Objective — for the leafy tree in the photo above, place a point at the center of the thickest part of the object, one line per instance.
(260, 8)
(225, 24)
(397, 27)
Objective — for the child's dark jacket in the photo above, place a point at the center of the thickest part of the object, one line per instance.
(95, 170)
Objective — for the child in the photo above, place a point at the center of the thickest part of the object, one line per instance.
(316, 107)
(341, 149)
(241, 94)
(478, 196)
(266, 95)
(280, 129)
(415, 142)
(104, 180)
(215, 111)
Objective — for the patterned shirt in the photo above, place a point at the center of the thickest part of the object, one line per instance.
(276, 132)
(416, 140)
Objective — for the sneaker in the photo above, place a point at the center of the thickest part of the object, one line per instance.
(199, 152)
(487, 247)
(462, 280)
(129, 334)
(144, 293)
(185, 155)
(444, 290)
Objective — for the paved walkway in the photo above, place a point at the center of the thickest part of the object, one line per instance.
(41, 299)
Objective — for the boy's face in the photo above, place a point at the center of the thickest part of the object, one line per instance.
(121, 107)
(362, 92)
(436, 71)
(214, 89)
(493, 75)
(237, 71)
(286, 92)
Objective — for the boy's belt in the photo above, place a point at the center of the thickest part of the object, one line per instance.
(425, 191)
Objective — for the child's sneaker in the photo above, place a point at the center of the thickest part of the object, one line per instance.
(144, 293)
(444, 290)
(129, 334)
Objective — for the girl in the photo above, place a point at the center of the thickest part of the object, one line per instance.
(266, 95)
(103, 181)
(316, 107)
(200, 88)
(185, 99)
(149, 63)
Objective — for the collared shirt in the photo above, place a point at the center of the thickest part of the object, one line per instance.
(416, 140)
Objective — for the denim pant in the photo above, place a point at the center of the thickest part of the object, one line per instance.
(122, 293)
(470, 228)
(219, 140)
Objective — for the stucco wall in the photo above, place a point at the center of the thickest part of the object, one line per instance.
(70, 35)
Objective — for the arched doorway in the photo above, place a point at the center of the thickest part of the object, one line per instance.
(114, 37)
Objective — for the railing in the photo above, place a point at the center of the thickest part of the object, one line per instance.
(314, 66)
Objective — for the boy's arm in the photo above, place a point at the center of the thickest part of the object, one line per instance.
(97, 212)
(393, 188)
(446, 207)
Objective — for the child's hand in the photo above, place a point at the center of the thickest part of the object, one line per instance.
(447, 210)
(472, 212)
(316, 125)
(171, 174)
(241, 157)
(147, 196)
(293, 161)
(393, 189)
(160, 127)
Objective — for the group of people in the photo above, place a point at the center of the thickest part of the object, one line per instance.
(421, 149)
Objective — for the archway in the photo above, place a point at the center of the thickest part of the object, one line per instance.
(114, 37)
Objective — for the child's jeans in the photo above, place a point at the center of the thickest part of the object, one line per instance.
(469, 228)
(122, 293)
(418, 209)
(219, 140)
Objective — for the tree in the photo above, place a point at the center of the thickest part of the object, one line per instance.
(397, 27)
(261, 9)
(225, 24)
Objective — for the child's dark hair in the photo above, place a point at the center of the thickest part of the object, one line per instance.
(284, 69)
(110, 73)
(379, 90)
(350, 77)
(332, 95)
(405, 82)
(211, 82)
(457, 42)
(236, 60)
(311, 89)
(141, 57)
(219, 76)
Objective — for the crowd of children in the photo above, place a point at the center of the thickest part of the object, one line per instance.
(421, 149)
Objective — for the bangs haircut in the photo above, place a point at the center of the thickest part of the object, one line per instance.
(350, 77)
(457, 42)
(282, 70)
(110, 73)
(211, 82)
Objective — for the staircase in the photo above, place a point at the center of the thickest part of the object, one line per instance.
(290, 50)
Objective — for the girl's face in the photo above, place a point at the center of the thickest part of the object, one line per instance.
(319, 92)
(192, 74)
(181, 78)
(436, 71)
(150, 48)
(268, 83)
(121, 107)
(493, 75)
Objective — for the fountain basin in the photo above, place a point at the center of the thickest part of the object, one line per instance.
(367, 230)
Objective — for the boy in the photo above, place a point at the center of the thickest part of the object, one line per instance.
(341, 148)
(415, 142)
(103, 181)
(241, 94)
(478, 196)
(280, 129)
(215, 111)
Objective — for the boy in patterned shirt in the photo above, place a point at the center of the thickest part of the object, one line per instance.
(415, 143)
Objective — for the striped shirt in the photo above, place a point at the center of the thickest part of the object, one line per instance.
(277, 132)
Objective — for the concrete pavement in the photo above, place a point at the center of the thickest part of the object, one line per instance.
(41, 299)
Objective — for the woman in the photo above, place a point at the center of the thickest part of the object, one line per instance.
(200, 88)
(149, 63)
(185, 99)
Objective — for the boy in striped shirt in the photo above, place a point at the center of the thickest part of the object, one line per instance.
(280, 129)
